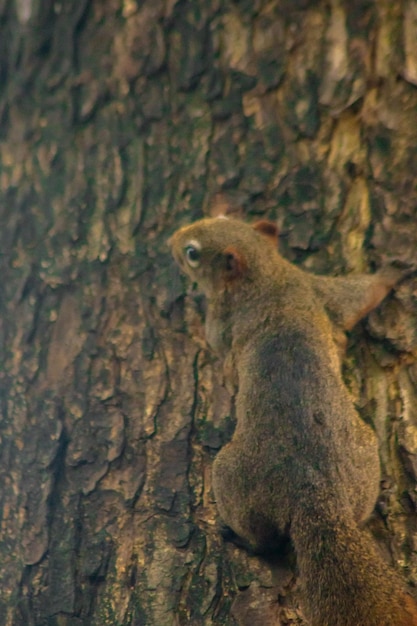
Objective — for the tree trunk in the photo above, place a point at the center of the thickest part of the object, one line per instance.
(121, 120)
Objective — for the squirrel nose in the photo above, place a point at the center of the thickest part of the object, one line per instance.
(175, 286)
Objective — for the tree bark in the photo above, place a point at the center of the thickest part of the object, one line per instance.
(120, 121)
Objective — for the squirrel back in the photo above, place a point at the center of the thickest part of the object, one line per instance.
(301, 461)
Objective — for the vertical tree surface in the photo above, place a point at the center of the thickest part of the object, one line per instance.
(121, 120)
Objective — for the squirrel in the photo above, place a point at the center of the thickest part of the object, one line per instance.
(301, 462)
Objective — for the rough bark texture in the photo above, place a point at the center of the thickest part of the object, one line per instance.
(121, 120)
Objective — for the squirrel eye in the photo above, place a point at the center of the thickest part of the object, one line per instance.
(192, 254)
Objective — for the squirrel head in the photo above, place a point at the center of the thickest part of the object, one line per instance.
(221, 253)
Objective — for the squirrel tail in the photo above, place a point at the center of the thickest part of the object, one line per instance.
(345, 581)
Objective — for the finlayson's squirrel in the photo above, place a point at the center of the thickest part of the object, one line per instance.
(301, 461)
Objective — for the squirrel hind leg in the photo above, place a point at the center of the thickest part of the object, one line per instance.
(276, 548)
(410, 606)
(230, 536)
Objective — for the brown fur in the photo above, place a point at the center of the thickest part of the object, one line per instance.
(301, 461)
(268, 229)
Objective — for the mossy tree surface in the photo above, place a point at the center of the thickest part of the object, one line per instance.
(121, 120)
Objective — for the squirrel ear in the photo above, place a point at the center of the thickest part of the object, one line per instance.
(268, 229)
(234, 263)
